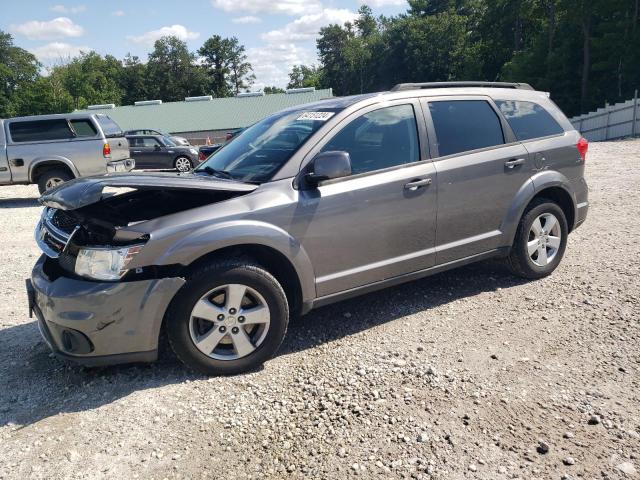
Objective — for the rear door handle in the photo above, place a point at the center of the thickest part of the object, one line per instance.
(416, 184)
(514, 163)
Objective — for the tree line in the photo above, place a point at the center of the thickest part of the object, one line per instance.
(171, 73)
(585, 52)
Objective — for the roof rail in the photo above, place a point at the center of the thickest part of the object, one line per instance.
(418, 86)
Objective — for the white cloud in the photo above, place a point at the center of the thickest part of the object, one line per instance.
(382, 3)
(149, 38)
(306, 28)
(118, 13)
(288, 7)
(60, 27)
(246, 20)
(273, 62)
(65, 9)
(58, 51)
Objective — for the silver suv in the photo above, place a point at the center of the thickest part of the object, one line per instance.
(307, 207)
(50, 149)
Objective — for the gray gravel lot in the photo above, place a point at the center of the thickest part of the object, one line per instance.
(467, 374)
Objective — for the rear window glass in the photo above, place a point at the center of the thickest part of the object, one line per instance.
(84, 128)
(528, 120)
(464, 125)
(40, 130)
(109, 127)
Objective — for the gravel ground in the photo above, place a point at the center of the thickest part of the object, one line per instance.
(467, 374)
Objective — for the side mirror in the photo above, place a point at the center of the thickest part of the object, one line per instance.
(327, 166)
(157, 147)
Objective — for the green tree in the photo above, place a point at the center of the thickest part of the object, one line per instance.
(172, 72)
(18, 72)
(226, 64)
(302, 76)
(271, 90)
(133, 80)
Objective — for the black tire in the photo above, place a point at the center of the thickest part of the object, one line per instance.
(207, 278)
(52, 174)
(182, 157)
(519, 262)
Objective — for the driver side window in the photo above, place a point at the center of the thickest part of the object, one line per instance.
(379, 139)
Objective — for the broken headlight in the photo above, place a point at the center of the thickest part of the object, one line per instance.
(105, 263)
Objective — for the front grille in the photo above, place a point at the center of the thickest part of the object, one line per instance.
(64, 221)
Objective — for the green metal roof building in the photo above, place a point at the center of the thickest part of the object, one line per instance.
(199, 118)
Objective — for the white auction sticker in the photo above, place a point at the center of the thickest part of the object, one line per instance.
(322, 116)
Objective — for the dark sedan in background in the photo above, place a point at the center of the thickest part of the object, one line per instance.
(159, 152)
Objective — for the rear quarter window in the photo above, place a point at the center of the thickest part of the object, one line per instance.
(40, 130)
(84, 128)
(109, 127)
(528, 120)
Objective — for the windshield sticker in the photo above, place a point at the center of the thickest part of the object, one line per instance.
(321, 116)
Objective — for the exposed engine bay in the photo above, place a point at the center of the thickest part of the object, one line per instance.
(100, 221)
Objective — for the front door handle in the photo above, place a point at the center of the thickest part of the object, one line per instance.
(416, 184)
(137, 151)
(514, 163)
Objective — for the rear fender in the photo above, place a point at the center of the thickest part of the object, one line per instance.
(52, 160)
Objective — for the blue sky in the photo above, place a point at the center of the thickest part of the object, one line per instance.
(276, 34)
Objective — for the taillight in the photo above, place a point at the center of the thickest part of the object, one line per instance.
(229, 136)
(583, 147)
(106, 150)
(202, 156)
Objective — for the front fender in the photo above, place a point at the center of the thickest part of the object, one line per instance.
(537, 183)
(52, 159)
(214, 237)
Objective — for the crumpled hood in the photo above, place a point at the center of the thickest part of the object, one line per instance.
(88, 190)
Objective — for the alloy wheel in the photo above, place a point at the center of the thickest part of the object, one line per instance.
(229, 322)
(544, 240)
(183, 164)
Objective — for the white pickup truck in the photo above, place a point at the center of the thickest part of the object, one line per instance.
(50, 149)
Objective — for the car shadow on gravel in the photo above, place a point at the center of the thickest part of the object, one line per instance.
(361, 313)
(25, 202)
(34, 385)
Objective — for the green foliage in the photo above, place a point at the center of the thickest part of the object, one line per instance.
(18, 72)
(270, 90)
(585, 52)
(305, 76)
(226, 65)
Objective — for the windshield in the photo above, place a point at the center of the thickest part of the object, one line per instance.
(168, 142)
(262, 149)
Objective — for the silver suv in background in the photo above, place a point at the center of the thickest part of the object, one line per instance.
(50, 149)
(311, 205)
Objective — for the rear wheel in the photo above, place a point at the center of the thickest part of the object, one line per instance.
(52, 178)
(183, 164)
(540, 241)
(229, 318)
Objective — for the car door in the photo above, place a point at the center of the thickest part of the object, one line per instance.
(150, 153)
(480, 168)
(379, 222)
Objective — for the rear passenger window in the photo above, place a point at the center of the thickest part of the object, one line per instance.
(379, 139)
(84, 128)
(40, 130)
(463, 125)
(528, 120)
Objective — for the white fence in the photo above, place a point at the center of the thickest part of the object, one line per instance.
(611, 122)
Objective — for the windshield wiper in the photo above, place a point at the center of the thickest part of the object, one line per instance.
(216, 173)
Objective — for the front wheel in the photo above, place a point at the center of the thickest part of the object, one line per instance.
(183, 164)
(540, 241)
(230, 317)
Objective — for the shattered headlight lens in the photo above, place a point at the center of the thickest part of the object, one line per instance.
(105, 263)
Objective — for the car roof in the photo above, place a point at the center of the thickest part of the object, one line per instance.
(55, 116)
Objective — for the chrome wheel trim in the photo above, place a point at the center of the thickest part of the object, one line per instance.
(53, 182)
(545, 237)
(229, 322)
(183, 164)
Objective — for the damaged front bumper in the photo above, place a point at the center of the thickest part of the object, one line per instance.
(99, 323)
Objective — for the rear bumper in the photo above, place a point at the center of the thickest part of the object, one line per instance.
(100, 323)
(581, 214)
(125, 165)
